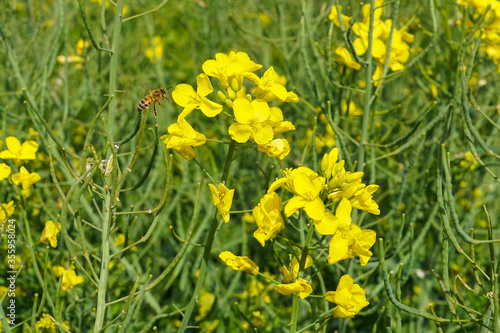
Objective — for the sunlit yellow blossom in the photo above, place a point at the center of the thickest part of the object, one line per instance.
(223, 199)
(268, 218)
(230, 69)
(185, 96)
(252, 121)
(300, 286)
(346, 58)
(276, 121)
(25, 179)
(349, 297)
(4, 171)
(182, 137)
(69, 277)
(9, 208)
(349, 240)
(279, 148)
(244, 264)
(19, 152)
(49, 233)
(306, 186)
(364, 200)
(328, 225)
(269, 88)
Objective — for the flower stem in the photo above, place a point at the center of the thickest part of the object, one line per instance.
(208, 246)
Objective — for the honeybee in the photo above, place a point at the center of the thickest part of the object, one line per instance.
(154, 97)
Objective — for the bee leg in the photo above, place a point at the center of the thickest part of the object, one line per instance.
(154, 111)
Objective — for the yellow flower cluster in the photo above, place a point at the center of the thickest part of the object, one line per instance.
(254, 118)
(399, 51)
(310, 190)
(491, 35)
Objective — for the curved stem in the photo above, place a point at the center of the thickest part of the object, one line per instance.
(208, 246)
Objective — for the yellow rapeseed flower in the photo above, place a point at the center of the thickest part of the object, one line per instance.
(223, 199)
(49, 233)
(244, 264)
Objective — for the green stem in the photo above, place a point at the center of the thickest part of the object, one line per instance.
(103, 279)
(113, 69)
(208, 246)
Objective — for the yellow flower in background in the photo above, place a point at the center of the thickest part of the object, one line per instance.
(351, 109)
(300, 286)
(49, 233)
(243, 264)
(251, 121)
(19, 152)
(182, 137)
(346, 58)
(69, 277)
(269, 87)
(223, 199)
(185, 96)
(205, 302)
(155, 51)
(349, 297)
(72, 59)
(230, 69)
(81, 45)
(5, 171)
(46, 325)
(268, 218)
(279, 148)
(9, 208)
(333, 16)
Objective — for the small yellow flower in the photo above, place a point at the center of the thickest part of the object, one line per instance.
(300, 286)
(223, 199)
(4, 171)
(25, 178)
(279, 148)
(244, 264)
(346, 58)
(252, 120)
(349, 297)
(268, 218)
(19, 152)
(69, 277)
(49, 233)
(269, 87)
(9, 208)
(182, 137)
(185, 96)
(306, 186)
